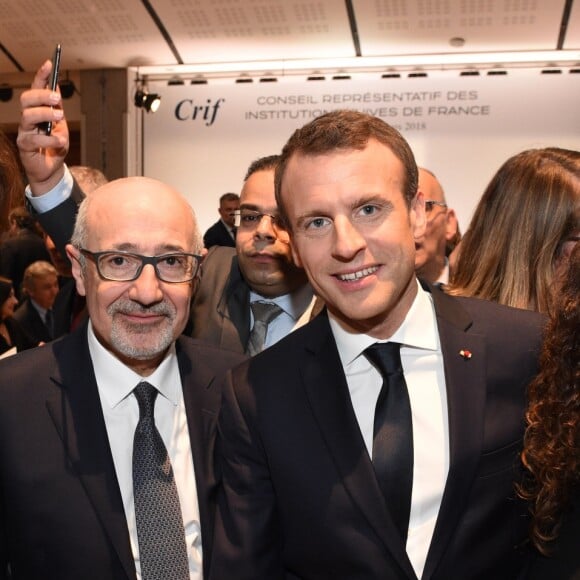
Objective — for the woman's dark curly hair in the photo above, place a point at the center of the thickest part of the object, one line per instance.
(552, 441)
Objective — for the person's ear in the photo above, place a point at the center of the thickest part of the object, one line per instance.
(74, 255)
(451, 225)
(418, 217)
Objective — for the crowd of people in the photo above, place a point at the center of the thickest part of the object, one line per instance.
(332, 382)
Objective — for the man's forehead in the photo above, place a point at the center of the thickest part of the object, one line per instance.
(258, 190)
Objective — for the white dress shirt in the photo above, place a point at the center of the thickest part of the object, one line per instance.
(423, 367)
(115, 384)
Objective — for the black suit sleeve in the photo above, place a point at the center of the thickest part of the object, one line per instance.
(59, 222)
(247, 547)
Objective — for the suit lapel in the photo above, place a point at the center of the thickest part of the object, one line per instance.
(327, 391)
(75, 409)
(466, 394)
(201, 405)
(234, 308)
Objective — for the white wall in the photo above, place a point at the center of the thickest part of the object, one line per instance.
(462, 128)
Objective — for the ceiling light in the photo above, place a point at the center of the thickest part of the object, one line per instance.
(67, 88)
(6, 93)
(149, 101)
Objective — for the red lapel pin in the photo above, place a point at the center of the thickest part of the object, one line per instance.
(466, 354)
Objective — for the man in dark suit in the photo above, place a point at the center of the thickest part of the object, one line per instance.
(222, 233)
(260, 269)
(35, 314)
(70, 410)
(393, 374)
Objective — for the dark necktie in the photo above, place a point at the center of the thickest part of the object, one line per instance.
(162, 549)
(49, 323)
(264, 313)
(393, 434)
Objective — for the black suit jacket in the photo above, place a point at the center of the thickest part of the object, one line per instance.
(300, 498)
(29, 319)
(218, 235)
(61, 509)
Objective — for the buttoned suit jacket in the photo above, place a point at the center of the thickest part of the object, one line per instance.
(220, 312)
(218, 235)
(61, 510)
(30, 320)
(299, 496)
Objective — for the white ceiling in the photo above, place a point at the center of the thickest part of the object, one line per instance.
(123, 33)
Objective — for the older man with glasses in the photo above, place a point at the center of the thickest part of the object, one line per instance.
(107, 435)
(441, 232)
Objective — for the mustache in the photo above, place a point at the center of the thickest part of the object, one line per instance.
(124, 306)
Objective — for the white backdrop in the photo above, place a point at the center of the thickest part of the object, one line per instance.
(203, 137)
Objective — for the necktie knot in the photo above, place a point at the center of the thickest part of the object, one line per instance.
(146, 395)
(386, 357)
(265, 311)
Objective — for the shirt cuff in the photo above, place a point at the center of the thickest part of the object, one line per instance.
(57, 195)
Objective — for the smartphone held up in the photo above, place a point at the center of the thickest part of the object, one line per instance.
(46, 127)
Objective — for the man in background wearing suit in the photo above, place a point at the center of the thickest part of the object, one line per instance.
(441, 232)
(260, 270)
(380, 440)
(35, 314)
(222, 233)
(70, 411)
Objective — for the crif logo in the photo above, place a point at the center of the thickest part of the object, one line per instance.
(187, 110)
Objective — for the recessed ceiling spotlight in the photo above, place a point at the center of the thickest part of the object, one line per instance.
(457, 41)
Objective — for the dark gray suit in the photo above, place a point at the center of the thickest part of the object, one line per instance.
(300, 498)
(61, 510)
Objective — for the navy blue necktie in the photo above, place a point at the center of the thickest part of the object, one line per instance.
(393, 434)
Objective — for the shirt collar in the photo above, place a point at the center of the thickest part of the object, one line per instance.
(116, 381)
(293, 304)
(42, 311)
(418, 330)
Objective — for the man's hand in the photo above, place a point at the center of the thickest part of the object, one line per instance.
(42, 156)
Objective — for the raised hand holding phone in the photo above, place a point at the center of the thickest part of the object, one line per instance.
(52, 84)
(42, 155)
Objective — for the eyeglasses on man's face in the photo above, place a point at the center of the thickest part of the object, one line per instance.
(431, 203)
(119, 266)
(250, 219)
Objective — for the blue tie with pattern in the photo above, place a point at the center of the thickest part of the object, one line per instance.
(162, 549)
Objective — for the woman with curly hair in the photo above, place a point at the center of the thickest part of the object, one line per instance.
(521, 230)
(552, 441)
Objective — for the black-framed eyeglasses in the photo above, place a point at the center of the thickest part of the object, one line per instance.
(431, 203)
(249, 219)
(119, 266)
